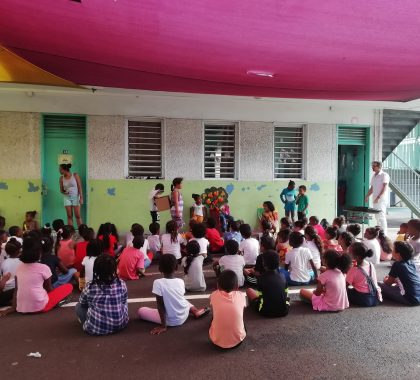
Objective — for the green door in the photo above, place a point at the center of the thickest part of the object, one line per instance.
(353, 166)
(61, 135)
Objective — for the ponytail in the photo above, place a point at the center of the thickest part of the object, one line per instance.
(193, 250)
(171, 228)
(176, 181)
(385, 242)
(310, 231)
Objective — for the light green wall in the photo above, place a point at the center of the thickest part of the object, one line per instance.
(130, 203)
(18, 196)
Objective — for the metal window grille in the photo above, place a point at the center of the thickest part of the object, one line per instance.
(219, 151)
(144, 149)
(288, 152)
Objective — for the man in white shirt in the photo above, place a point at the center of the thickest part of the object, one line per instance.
(379, 191)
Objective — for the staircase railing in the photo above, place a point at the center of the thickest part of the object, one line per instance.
(404, 181)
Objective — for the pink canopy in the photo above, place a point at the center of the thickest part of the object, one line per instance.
(330, 49)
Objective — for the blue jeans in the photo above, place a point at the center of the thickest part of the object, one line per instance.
(296, 283)
(147, 262)
(64, 278)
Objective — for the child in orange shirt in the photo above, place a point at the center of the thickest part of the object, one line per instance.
(282, 245)
(227, 328)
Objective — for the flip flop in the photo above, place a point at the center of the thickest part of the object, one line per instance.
(205, 312)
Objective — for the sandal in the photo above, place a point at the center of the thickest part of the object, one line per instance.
(203, 314)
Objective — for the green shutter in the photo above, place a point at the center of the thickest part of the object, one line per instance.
(351, 136)
(64, 126)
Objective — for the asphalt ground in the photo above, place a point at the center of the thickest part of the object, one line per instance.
(362, 343)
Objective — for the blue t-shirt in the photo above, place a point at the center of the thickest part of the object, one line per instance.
(406, 272)
(288, 196)
(233, 235)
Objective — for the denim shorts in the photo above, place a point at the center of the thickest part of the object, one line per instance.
(71, 200)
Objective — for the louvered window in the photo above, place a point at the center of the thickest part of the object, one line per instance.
(144, 149)
(219, 151)
(351, 136)
(64, 126)
(288, 152)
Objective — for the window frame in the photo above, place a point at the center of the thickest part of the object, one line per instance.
(304, 127)
(236, 126)
(162, 122)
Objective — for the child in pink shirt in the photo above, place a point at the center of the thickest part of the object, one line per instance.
(227, 328)
(330, 294)
(365, 290)
(34, 292)
(64, 246)
(330, 242)
(131, 261)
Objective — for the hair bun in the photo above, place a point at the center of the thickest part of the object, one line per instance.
(369, 253)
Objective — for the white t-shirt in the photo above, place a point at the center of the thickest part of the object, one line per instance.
(316, 256)
(377, 184)
(194, 280)
(198, 209)
(250, 248)
(9, 266)
(88, 262)
(152, 195)
(374, 245)
(129, 242)
(204, 244)
(169, 246)
(3, 254)
(20, 240)
(298, 259)
(235, 263)
(176, 306)
(154, 243)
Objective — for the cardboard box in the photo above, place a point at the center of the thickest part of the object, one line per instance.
(163, 203)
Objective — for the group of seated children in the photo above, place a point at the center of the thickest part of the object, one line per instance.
(38, 270)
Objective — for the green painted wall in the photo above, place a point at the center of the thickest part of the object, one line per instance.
(17, 197)
(124, 202)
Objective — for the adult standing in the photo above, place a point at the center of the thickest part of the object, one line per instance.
(71, 188)
(177, 202)
(379, 191)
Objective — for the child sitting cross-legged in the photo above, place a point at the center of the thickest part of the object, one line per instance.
(33, 291)
(102, 308)
(172, 307)
(8, 272)
(402, 285)
(153, 240)
(371, 242)
(232, 261)
(131, 262)
(365, 290)
(193, 268)
(282, 244)
(298, 261)
(234, 232)
(227, 328)
(172, 241)
(271, 299)
(330, 294)
(330, 242)
(213, 236)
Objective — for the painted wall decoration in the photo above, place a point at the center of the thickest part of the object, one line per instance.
(214, 198)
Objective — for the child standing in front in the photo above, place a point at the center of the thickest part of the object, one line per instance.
(193, 268)
(227, 328)
(288, 197)
(172, 307)
(302, 202)
(330, 294)
(198, 211)
(102, 308)
(271, 300)
(154, 194)
(298, 261)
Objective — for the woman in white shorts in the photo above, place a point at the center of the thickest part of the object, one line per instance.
(71, 188)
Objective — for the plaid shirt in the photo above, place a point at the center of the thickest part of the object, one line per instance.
(107, 307)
